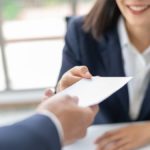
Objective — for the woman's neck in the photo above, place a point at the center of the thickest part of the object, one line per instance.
(139, 37)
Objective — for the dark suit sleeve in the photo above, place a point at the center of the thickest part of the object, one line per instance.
(35, 133)
(71, 51)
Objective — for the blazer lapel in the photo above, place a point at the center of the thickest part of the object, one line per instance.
(113, 63)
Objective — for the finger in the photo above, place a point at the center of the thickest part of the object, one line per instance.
(68, 80)
(81, 71)
(48, 93)
(72, 76)
(108, 135)
(132, 145)
(72, 100)
(119, 144)
(103, 143)
(128, 146)
(95, 109)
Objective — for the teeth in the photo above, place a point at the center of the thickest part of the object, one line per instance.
(138, 8)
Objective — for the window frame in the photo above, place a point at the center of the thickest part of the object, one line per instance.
(10, 97)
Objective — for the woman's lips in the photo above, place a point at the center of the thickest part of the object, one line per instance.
(138, 9)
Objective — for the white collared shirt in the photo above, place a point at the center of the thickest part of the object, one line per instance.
(136, 64)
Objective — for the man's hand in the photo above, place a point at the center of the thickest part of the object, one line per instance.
(74, 119)
(47, 94)
(127, 138)
(72, 76)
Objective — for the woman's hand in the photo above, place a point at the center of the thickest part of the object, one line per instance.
(127, 138)
(72, 76)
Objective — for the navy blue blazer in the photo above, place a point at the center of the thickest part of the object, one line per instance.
(103, 57)
(35, 133)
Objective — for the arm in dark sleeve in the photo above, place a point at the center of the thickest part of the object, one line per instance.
(35, 133)
(71, 51)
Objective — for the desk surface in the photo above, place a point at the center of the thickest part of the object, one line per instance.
(93, 133)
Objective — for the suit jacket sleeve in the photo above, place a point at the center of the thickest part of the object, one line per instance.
(35, 133)
(71, 51)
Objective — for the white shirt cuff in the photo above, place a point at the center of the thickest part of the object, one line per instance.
(56, 122)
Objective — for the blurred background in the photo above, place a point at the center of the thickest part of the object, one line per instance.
(31, 42)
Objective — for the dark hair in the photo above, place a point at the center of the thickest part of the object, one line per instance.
(103, 16)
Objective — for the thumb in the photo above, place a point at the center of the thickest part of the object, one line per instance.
(85, 72)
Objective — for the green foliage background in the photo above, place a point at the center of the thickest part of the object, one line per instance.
(11, 8)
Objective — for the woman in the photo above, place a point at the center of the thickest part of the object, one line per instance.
(114, 40)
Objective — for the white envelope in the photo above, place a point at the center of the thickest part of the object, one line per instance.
(94, 91)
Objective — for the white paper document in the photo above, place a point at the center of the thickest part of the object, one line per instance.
(94, 91)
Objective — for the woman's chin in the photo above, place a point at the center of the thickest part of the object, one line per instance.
(139, 22)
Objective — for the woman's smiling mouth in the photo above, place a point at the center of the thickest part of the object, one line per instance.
(138, 9)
